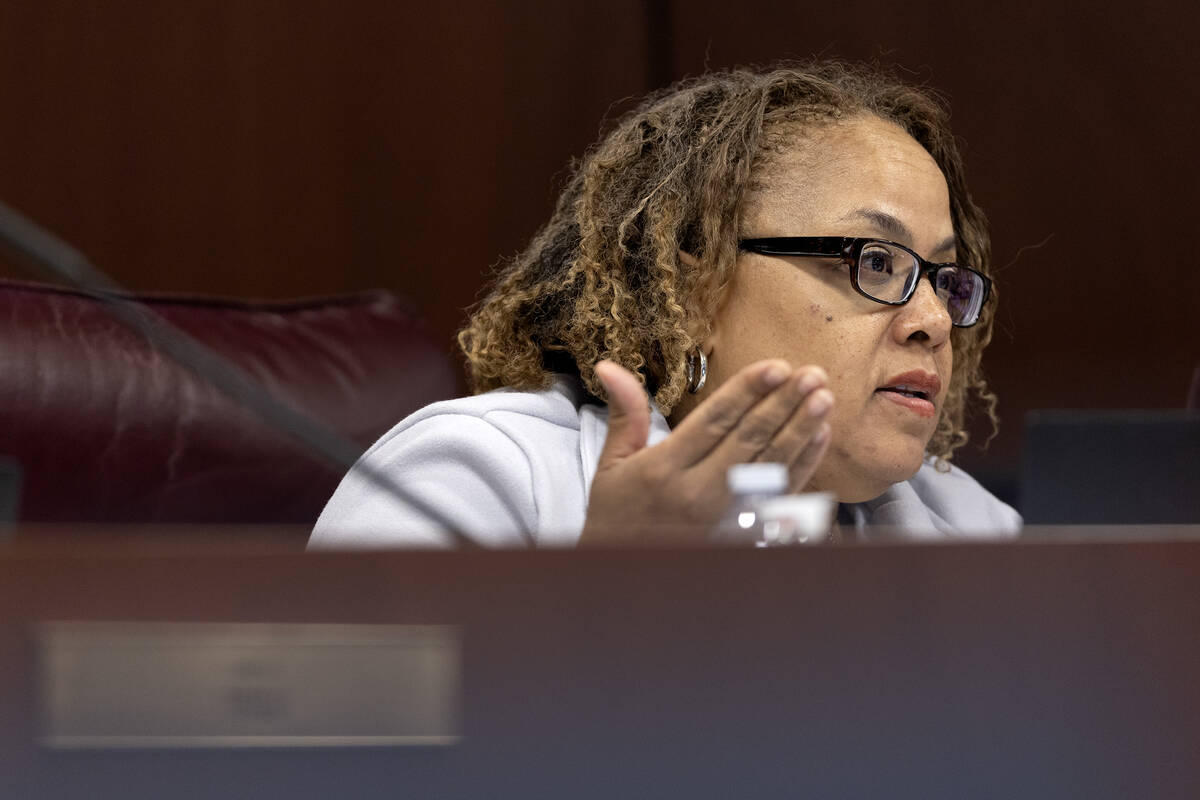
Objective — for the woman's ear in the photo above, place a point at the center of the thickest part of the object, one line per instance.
(689, 259)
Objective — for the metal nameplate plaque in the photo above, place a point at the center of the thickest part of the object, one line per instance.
(172, 685)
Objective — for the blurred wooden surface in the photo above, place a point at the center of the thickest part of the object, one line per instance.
(1017, 670)
(267, 148)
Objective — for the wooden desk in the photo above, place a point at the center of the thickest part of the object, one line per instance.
(1020, 670)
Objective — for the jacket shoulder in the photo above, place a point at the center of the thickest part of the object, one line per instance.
(556, 406)
(963, 502)
(480, 462)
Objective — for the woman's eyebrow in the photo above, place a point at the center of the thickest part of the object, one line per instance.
(896, 229)
(883, 221)
(948, 245)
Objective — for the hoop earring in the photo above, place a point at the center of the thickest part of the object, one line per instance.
(696, 376)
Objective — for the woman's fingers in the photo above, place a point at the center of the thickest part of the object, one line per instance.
(802, 468)
(794, 437)
(728, 413)
(779, 426)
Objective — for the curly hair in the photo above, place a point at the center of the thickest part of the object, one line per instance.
(603, 278)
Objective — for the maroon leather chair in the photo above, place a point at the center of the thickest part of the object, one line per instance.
(106, 429)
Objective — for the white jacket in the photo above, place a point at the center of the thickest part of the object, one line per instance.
(512, 468)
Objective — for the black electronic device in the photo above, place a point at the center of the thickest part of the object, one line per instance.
(10, 491)
(1111, 468)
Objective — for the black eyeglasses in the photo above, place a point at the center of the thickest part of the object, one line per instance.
(887, 272)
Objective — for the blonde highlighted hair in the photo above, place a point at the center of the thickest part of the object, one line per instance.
(604, 279)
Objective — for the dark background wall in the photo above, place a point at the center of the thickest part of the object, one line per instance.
(276, 148)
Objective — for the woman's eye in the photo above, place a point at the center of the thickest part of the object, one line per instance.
(878, 262)
(952, 286)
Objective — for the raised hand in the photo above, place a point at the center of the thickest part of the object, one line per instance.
(766, 412)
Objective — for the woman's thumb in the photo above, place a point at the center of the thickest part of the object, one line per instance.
(628, 412)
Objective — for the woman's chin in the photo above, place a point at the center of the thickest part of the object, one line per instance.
(857, 480)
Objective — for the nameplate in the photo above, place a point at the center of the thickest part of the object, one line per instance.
(180, 685)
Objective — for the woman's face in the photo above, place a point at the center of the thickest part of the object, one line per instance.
(858, 177)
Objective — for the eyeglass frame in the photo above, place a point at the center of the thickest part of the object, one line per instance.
(849, 250)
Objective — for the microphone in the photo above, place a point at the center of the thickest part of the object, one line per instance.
(55, 258)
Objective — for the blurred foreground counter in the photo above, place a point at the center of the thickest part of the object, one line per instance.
(1062, 665)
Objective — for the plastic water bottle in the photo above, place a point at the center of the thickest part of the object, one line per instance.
(797, 518)
(751, 486)
(763, 515)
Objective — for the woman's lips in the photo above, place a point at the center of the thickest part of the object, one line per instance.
(915, 390)
(918, 405)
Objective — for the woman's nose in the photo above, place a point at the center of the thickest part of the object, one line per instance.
(924, 316)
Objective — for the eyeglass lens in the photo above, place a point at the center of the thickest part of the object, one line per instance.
(890, 274)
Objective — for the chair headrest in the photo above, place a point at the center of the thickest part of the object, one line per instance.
(107, 429)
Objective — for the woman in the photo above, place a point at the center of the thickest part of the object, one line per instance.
(774, 259)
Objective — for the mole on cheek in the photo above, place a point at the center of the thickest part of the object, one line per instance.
(829, 318)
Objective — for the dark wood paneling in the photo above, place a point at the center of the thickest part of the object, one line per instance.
(270, 148)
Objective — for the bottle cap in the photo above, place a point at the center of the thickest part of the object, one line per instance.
(759, 478)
